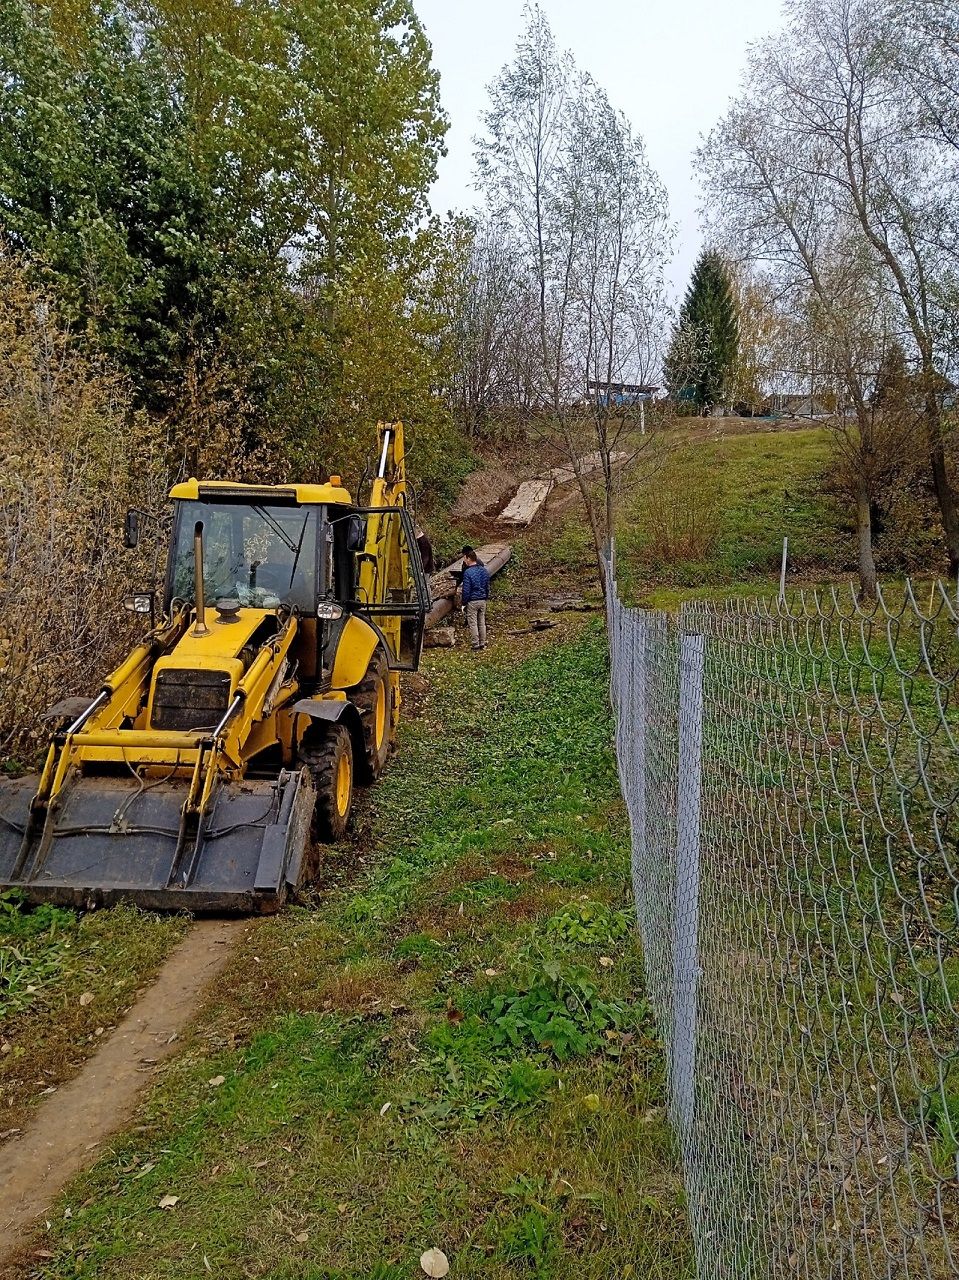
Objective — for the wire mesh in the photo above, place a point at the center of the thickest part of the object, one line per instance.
(791, 772)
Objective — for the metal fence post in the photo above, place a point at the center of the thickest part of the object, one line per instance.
(638, 758)
(686, 883)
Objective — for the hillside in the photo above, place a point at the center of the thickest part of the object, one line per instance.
(709, 514)
(447, 1044)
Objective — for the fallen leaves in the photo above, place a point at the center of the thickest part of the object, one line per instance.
(86, 998)
(168, 1202)
(215, 1081)
(435, 1263)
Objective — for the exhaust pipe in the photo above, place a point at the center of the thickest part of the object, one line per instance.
(200, 628)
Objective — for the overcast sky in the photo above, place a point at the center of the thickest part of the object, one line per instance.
(670, 65)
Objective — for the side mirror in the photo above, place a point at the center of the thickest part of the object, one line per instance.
(131, 529)
(356, 536)
(142, 603)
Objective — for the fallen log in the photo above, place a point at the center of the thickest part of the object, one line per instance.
(493, 556)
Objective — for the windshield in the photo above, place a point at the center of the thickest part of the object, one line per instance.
(261, 555)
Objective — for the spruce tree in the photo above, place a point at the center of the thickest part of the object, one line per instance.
(705, 341)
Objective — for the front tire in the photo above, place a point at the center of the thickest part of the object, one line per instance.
(330, 761)
(373, 698)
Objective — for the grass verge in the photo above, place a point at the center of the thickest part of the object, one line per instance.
(450, 1050)
(66, 980)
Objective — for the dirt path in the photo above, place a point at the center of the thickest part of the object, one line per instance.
(75, 1120)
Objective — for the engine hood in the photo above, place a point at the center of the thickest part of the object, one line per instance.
(192, 684)
(222, 639)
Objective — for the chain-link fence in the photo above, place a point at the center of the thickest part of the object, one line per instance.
(792, 778)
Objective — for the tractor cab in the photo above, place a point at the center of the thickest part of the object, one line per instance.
(304, 549)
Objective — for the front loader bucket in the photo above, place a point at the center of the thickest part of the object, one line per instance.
(112, 839)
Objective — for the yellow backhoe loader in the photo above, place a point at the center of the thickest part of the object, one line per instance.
(227, 744)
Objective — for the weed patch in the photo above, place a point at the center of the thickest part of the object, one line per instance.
(34, 947)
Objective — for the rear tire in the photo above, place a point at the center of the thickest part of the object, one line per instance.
(330, 762)
(373, 698)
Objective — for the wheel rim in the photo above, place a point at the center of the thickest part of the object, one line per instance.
(343, 779)
(380, 714)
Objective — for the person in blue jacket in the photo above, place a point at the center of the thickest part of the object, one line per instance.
(475, 596)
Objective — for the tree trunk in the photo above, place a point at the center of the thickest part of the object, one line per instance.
(940, 483)
(598, 543)
(867, 561)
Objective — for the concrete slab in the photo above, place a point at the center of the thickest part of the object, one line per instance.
(527, 500)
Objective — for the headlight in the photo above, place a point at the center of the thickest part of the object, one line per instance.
(329, 610)
(141, 602)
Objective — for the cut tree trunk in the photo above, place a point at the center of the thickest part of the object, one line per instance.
(444, 591)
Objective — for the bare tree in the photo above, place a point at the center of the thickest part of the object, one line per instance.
(569, 176)
(776, 204)
(487, 311)
(758, 359)
(921, 45)
(846, 343)
(518, 158)
(844, 92)
(818, 151)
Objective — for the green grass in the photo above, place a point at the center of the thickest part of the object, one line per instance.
(452, 1049)
(34, 947)
(713, 518)
(65, 980)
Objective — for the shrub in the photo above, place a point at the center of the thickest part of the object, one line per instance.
(682, 512)
(73, 456)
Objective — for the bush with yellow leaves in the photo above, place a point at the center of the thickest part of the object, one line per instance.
(73, 456)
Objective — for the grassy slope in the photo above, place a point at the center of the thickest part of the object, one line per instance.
(452, 1049)
(756, 489)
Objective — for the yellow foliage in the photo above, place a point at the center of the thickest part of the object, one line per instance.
(73, 457)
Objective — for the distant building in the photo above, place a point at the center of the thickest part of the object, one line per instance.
(797, 406)
(620, 394)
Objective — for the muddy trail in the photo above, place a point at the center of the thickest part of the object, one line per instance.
(73, 1122)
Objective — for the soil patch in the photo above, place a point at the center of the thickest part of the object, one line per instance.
(484, 492)
(74, 1121)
